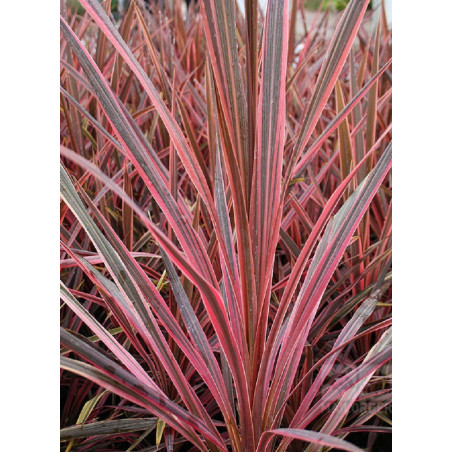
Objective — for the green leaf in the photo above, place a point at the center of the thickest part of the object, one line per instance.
(86, 411)
(158, 436)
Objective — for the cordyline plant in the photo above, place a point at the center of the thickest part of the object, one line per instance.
(225, 228)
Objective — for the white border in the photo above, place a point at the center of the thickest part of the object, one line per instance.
(29, 81)
(422, 228)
